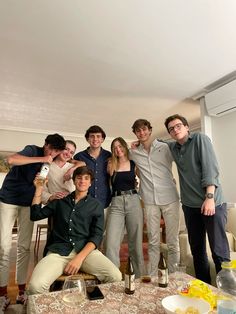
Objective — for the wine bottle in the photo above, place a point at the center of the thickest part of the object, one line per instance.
(129, 277)
(162, 272)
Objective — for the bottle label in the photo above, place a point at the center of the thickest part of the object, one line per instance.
(163, 276)
(44, 171)
(130, 282)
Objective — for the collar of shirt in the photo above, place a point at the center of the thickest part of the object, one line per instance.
(178, 145)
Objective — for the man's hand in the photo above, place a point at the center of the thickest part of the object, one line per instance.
(47, 159)
(135, 144)
(208, 207)
(73, 266)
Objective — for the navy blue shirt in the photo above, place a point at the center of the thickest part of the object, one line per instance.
(18, 187)
(74, 224)
(100, 188)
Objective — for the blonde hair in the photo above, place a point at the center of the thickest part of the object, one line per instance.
(114, 160)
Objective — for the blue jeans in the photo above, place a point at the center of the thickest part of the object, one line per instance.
(198, 225)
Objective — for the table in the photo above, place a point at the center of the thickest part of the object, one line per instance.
(146, 299)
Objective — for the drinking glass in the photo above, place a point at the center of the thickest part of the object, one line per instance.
(180, 270)
(145, 273)
(74, 290)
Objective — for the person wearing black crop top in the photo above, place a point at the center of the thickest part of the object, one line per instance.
(125, 209)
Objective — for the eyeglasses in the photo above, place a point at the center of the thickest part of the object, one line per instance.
(177, 127)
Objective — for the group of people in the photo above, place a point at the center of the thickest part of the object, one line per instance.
(92, 198)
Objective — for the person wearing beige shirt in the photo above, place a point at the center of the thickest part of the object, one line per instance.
(60, 182)
(158, 192)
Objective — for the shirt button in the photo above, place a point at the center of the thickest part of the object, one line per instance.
(73, 244)
(73, 210)
(70, 229)
(70, 240)
(70, 219)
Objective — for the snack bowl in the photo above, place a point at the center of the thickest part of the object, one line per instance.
(173, 303)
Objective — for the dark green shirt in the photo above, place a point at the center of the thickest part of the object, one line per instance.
(74, 225)
(197, 168)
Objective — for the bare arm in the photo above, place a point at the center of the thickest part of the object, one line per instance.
(38, 183)
(76, 164)
(20, 160)
(110, 171)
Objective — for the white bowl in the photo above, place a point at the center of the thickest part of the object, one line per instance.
(174, 302)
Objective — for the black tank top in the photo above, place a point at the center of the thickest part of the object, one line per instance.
(124, 180)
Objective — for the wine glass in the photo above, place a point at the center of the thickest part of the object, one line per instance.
(74, 290)
(180, 270)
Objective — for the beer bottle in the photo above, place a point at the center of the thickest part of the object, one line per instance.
(162, 272)
(129, 277)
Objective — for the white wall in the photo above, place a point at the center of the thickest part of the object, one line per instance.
(224, 139)
(15, 140)
(221, 130)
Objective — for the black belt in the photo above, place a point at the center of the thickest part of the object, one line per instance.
(128, 192)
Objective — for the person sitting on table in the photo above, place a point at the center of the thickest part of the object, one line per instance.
(77, 231)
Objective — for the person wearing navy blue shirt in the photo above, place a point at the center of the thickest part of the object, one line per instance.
(77, 232)
(96, 158)
(16, 196)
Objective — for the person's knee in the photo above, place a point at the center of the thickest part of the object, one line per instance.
(114, 275)
(37, 286)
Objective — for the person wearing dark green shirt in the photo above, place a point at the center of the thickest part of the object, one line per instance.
(201, 195)
(77, 231)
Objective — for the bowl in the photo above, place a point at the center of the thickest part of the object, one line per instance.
(174, 302)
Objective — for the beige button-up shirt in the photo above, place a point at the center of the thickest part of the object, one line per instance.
(157, 184)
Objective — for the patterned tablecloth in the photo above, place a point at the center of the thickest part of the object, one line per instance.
(146, 299)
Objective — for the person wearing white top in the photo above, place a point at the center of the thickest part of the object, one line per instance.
(60, 182)
(158, 192)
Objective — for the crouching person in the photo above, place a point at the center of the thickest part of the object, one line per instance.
(77, 231)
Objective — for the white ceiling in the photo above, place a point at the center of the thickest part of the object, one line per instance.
(65, 65)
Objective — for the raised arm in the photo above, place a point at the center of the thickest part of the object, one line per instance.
(75, 164)
(20, 160)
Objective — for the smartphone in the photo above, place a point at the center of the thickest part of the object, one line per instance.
(94, 293)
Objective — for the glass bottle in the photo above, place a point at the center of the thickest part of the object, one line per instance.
(162, 272)
(129, 277)
(44, 171)
(226, 278)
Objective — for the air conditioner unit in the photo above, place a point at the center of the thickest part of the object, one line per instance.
(221, 100)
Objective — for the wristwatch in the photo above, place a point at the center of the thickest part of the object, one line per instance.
(209, 195)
